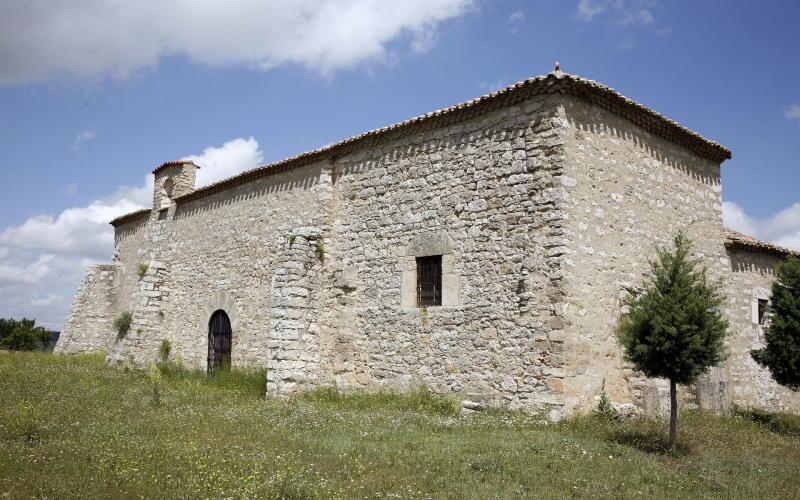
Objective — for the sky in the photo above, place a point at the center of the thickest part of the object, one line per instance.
(94, 94)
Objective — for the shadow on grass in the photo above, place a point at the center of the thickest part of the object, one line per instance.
(651, 441)
(779, 423)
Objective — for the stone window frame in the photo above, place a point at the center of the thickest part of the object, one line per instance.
(429, 244)
(758, 294)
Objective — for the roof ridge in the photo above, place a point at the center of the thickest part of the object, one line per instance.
(737, 238)
(603, 96)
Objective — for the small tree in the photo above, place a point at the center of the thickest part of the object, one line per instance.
(782, 351)
(674, 329)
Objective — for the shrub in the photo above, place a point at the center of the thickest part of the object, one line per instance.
(123, 323)
(164, 350)
(154, 378)
(142, 270)
(179, 363)
(320, 245)
(22, 335)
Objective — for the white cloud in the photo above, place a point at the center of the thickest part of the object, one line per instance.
(515, 20)
(46, 255)
(793, 112)
(492, 86)
(81, 137)
(100, 38)
(71, 189)
(782, 228)
(230, 159)
(620, 12)
(31, 273)
(588, 9)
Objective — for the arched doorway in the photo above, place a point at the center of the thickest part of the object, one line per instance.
(219, 341)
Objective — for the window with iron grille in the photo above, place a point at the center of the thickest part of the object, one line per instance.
(429, 281)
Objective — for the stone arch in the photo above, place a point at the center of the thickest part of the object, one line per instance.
(166, 192)
(220, 300)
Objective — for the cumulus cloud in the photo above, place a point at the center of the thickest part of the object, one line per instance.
(100, 38)
(42, 259)
(30, 273)
(782, 228)
(232, 158)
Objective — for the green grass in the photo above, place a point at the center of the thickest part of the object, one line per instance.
(72, 427)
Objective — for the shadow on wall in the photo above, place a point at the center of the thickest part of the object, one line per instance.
(304, 178)
(129, 229)
(604, 122)
(751, 262)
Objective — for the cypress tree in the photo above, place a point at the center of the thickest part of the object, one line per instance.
(674, 329)
(782, 351)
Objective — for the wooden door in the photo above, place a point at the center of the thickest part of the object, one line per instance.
(219, 341)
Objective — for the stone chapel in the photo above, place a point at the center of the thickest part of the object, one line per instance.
(482, 250)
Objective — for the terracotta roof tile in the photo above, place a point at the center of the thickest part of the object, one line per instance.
(735, 238)
(552, 83)
(172, 163)
(129, 217)
(556, 82)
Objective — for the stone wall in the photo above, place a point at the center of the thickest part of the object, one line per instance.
(89, 327)
(628, 191)
(489, 188)
(748, 384)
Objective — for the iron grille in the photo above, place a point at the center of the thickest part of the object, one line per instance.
(429, 281)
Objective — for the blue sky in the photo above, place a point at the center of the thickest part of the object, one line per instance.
(93, 97)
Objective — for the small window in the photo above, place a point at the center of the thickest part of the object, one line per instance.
(762, 311)
(429, 281)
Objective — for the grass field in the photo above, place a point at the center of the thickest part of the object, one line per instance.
(73, 427)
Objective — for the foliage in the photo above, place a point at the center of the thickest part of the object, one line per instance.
(674, 329)
(22, 335)
(122, 323)
(142, 269)
(154, 378)
(217, 438)
(291, 239)
(164, 350)
(782, 351)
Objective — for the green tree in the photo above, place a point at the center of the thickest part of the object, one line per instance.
(22, 335)
(782, 351)
(674, 329)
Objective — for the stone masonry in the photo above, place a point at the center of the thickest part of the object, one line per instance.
(543, 201)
